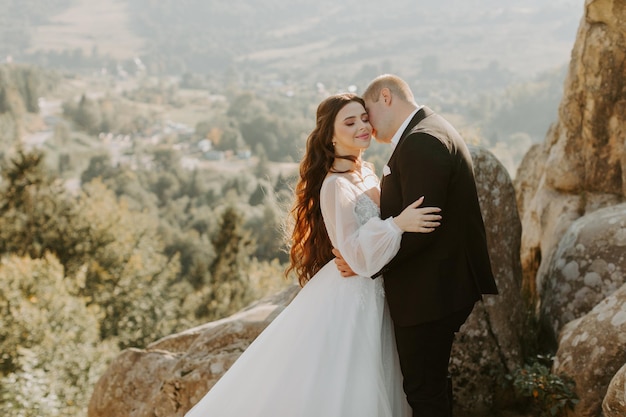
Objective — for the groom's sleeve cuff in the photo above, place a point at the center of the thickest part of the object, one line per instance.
(379, 273)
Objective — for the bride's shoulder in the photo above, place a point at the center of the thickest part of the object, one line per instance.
(337, 181)
(334, 179)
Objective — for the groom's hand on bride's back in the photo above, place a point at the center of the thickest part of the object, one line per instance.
(342, 265)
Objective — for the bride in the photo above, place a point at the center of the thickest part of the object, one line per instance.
(331, 352)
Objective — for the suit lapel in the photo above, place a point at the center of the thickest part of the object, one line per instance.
(418, 117)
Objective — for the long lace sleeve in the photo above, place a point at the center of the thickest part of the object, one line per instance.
(366, 242)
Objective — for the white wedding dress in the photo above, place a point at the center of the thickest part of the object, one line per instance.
(331, 352)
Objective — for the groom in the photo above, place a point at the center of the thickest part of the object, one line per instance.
(432, 283)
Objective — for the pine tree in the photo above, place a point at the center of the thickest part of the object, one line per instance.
(33, 209)
(262, 169)
(87, 115)
(100, 166)
(259, 195)
(230, 290)
(29, 89)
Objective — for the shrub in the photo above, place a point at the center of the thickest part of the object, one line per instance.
(550, 395)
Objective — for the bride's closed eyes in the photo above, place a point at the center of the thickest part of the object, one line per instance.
(350, 120)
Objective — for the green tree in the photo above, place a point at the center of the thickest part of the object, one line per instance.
(264, 130)
(49, 339)
(34, 215)
(195, 252)
(166, 159)
(9, 129)
(87, 115)
(222, 131)
(283, 189)
(231, 139)
(242, 185)
(259, 194)
(262, 169)
(99, 167)
(230, 287)
(267, 226)
(96, 236)
(132, 186)
(245, 107)
(28, 84)
(14, 102)
(127, 275)
(62, 134)
(20, 88)
(166, 187)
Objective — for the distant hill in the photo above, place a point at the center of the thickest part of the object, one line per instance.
(298, 39)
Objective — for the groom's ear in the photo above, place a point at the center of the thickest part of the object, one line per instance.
(385, 96)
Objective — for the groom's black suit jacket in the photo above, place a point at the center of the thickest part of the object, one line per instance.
(439, 273)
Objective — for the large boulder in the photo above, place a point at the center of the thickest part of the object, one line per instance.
(490, 342)
(582, 164)
(591, 351)
(589, 265)
(614, 403)
(172, 374)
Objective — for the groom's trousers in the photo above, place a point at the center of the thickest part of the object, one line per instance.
(424, 352)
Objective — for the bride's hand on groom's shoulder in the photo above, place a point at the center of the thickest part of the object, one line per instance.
(342, 265)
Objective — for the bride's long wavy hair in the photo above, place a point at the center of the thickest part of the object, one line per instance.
(311, 248)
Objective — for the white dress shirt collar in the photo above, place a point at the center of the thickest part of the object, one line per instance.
(396, 138)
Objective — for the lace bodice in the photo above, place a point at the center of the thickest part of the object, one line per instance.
(352, 220)
(365, 209)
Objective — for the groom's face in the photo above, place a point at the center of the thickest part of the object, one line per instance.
(378, 112)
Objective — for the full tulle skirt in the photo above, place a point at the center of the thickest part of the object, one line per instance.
(330, 353)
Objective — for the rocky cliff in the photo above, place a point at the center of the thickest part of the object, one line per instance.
(569, 191)
(581, 166)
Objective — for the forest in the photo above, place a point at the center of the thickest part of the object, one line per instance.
(130, 256)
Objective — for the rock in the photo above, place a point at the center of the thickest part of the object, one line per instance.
(546, 219)
(582, 164)
(172, 374)
(589, 265)
(614, 403)
(528, 175)
(131, 382)
(526, 183)
(591, 351)
(490, 343)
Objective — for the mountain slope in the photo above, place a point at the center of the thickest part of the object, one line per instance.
(297, 37)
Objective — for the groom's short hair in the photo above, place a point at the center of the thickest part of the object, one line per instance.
(395, 84)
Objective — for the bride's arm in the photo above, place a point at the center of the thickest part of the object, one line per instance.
(367, 248)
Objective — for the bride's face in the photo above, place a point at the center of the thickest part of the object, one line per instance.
(353, 131)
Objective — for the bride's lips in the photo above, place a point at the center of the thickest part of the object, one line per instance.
(364, 136)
